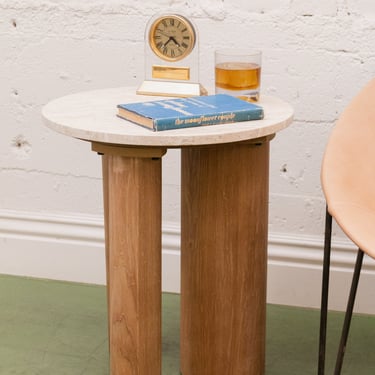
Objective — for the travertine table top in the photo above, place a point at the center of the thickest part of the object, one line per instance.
(91, 116)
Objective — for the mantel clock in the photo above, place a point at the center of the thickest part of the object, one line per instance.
(171, 57)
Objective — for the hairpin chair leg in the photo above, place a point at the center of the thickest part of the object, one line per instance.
(325, 285)
(349, 312)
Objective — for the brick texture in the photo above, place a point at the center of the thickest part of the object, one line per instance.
(316, 55)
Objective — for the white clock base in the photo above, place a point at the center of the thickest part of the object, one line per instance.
(178, 89)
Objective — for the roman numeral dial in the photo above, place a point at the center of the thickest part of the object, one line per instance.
(172, 37)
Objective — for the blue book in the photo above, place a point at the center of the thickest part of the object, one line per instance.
(179, 113)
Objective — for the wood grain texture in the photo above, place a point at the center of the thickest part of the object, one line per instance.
(133, 240)
(224, 259)
(128, 151)
(106, 222)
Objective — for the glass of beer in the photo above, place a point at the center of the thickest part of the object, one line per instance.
(237, 73)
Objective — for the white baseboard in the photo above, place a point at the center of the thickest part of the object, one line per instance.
(295, 273)
(72, 248)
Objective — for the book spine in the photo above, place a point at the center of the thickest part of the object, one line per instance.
(205, 120)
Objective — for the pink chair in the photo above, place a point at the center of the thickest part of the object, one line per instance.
(348, 182)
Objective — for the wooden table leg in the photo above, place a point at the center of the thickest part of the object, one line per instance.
(106, 231)
(224, 259)
(132, 188)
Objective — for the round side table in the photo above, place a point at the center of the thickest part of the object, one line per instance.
(224, 221)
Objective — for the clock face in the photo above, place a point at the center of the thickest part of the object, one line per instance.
(172, 37)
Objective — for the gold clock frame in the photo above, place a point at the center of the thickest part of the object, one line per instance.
(190, 32)
(167, 75)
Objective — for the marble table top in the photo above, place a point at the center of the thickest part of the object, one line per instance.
(91, 116)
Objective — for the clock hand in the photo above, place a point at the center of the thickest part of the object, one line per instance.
(174, 41)
(165, 44)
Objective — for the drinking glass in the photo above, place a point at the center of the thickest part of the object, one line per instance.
(238, 73)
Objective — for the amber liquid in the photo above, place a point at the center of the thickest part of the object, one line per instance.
(239, 79)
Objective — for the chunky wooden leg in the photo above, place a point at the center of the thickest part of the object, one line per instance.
(132, 187)
(224, 259)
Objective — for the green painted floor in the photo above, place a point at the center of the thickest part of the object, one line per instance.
(56, 328)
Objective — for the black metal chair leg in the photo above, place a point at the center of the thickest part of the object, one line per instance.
(349, 313)
(325, 286)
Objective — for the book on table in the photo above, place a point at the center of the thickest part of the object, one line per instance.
(193, 111)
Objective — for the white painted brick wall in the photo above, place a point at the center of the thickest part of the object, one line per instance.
(317, 55)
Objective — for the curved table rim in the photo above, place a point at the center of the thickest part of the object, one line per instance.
(91, 116)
